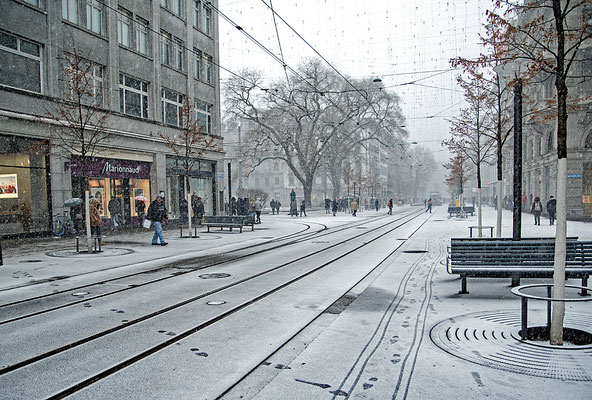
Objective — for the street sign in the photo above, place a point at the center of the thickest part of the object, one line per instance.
(574, 176)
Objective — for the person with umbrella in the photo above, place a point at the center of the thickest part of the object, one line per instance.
(141, 208)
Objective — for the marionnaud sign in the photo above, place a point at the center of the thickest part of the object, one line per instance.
(111, 168)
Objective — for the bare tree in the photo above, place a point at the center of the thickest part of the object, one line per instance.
(546, 36)
(458, 173)
(80, 126)
(189, 145)
(470, 131)
(312, 121)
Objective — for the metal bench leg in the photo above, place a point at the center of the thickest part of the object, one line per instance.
(515, 281)
(524, 319)
(584, 292)
(463, 285)
(77, 245)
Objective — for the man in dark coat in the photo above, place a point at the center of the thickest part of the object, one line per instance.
(157, 213)
(552, 209)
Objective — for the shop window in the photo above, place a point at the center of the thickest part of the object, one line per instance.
(133, 96)
(172, 103)
(203, 116)
(20, 63)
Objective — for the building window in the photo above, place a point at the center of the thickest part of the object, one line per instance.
(141, 35)
(124, 27)
(197, 13)
(277, 180)
(36, 3)
(588, 142)
(550, 143)
(203, 116)
(91, 86)
(165, 46)
(197, 63)
(133, 96)
(20, 63)
(209, 65)
(174, 6)
(70, 10)
(178, 46)
(94, 16)
(172, 103)
(208, 20)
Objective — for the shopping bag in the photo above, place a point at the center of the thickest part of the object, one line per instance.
(146, 224)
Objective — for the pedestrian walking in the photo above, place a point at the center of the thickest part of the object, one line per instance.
(272, 205)
(184, 211)
(277, 207)
(258, 207)
(390, 207)
(303, 208)
(429, 205)
(95, 218)
(334, 207)
(198, 210)
(327, 206)
(376, 204)
(114, 209)
(551, 210)
(537, 209)
(293, 208)
(157, 213)
(354, 207)
(141, 211)
(233, 206)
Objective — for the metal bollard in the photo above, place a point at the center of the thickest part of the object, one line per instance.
(1, 259)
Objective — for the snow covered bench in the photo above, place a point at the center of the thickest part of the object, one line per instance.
(506, 258)
(457, 211)
(229, 221)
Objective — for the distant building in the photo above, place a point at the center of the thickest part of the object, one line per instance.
(147, 57)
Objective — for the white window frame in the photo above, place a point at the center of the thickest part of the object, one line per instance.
(124, 27)
(203, 110)
(141, 29)
(197, 13)
(165, 48)
(209, 68)
(178, 47)
(94, 16)
(18, 51)
(70, 11)
(207, 20)
(143, 95)
(197, 63)
(178, 104)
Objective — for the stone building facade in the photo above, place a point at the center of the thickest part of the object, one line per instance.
(147, 57)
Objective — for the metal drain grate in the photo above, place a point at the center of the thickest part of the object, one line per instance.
(104, 253)
(491, 339)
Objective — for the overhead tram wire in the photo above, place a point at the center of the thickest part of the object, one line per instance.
(262, 47)
(277, 33)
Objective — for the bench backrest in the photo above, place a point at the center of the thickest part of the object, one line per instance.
(524, 253)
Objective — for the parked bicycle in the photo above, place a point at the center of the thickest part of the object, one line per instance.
(63, 224)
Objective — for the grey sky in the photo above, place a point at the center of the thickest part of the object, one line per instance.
(408, 44)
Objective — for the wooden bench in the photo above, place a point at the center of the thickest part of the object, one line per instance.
(457, 211)
(506, 258)
(229, 221)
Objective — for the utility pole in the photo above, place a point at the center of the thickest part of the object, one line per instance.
(517, 210)
(240, 161)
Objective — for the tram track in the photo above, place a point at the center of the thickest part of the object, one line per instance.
(202, 261)
(204, 324)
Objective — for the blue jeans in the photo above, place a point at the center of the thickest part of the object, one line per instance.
(157, 232)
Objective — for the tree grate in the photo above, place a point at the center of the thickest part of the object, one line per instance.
(492, 339)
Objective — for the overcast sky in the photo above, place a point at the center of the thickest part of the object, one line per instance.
(408, 44)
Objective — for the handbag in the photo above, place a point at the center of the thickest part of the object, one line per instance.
(146, 224)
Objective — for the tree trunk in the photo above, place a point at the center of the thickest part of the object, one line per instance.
(500, 185)
(307, 187)
(559, 269)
